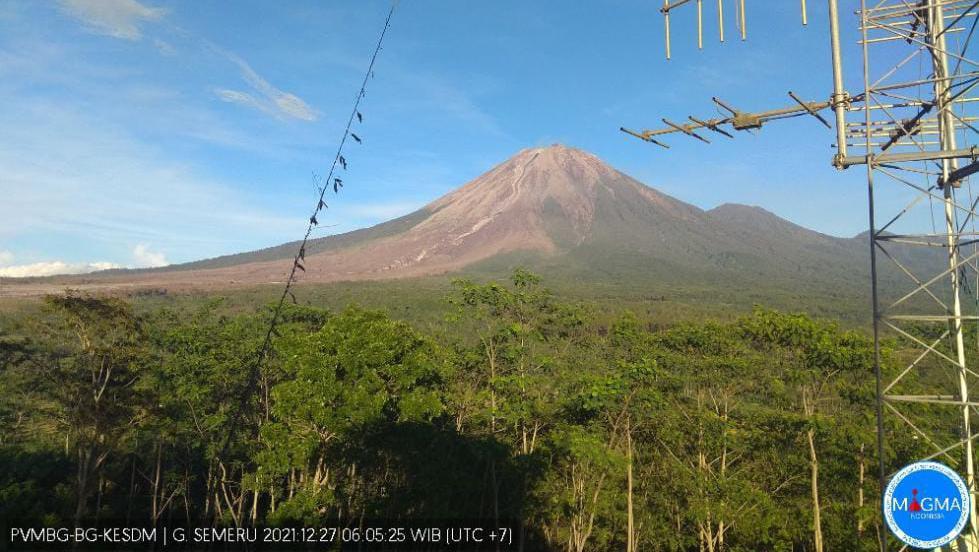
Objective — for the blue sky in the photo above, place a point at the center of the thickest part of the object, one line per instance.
(139, 133)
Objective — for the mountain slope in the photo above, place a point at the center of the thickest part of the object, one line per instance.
(558, 210)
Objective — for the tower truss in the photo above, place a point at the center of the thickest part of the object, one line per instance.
(914, 131)
(912, 126)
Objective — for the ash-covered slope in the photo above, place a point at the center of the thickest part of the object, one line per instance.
(556, 209)
(543, 201)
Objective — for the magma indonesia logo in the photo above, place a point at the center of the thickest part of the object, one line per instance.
(926, 505)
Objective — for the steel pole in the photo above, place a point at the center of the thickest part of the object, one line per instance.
(840, 98)
(874, 297)
(946, 124)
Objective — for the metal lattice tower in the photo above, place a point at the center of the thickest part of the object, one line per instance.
(911, 126)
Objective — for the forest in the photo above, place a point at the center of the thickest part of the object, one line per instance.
(755, 433)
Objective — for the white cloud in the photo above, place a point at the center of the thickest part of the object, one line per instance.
(50, 268)
(270, 99)
(142, 255)
(242, 98)
(116, 18)
(146, 258)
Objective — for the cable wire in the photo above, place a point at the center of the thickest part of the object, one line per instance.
(300, 257)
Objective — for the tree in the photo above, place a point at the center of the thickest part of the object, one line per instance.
(360, 369)
(524, 338)
(90, 357)
(816, 359)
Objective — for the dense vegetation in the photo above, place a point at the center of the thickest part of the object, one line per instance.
(751, 434)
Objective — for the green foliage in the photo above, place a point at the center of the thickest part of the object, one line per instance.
(359, 369)
(520, 404)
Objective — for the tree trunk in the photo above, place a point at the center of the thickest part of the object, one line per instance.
(209, 489)
(240, 502)
(491, 356)
(863, 470)
(82, 477)
(132, 489)
(186, 500)
(721, 528)
(631, 528)
(155, 511)
(98, 497)
(817, 529)
(255, 506)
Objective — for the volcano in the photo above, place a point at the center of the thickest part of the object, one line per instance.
(557, 210)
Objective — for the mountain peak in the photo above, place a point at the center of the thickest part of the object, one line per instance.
(560, 205)
(556, 147)
(551, 169)
(507, 205)
(732, 209)
(758, 218)
(561, 150)
(558, 155)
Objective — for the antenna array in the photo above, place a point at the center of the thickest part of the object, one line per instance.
(913, 128)
(740, 19)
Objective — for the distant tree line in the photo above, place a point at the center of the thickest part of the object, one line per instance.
(756, 434)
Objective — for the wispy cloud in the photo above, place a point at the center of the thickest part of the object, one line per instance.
(66, 175)
(124, 18)
(51, 268)
(116, 18)
(267, 98)
(6, 257)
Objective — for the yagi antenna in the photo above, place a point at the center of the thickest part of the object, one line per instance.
(840, 101)
(737, 120)
(740, 17)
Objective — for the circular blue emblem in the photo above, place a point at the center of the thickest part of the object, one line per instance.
(926, 505)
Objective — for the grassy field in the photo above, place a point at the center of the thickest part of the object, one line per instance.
(424, 301)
